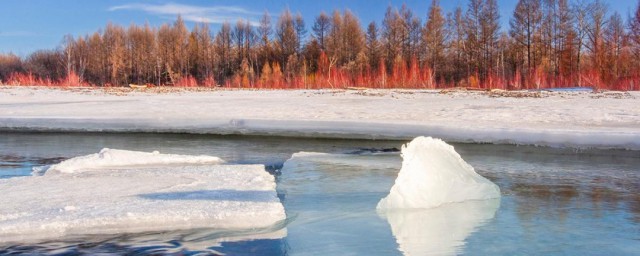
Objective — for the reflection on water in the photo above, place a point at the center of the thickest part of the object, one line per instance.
(554, 201)
(439, 231)
(560, 201)
(181, 242)
(335, 194)
(334, 197)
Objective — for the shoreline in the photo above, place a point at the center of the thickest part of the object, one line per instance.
(603, 120)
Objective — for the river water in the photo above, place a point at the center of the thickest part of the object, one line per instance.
(554, 201)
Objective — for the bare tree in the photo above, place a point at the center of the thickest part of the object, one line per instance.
(473, 33)
(286, 37)
(580, 11)
(301, 30)
(265, 30)
(373, 45)
(223, 51)
(434, 37)
(458, 45)
(525, 25)
(615, 40)
(113, 38)
(634, 30)
(596, 22)
(565, 39)
(321, 28)
(490, 30)
(392, 36)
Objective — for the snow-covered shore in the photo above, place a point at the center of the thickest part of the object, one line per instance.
(558, 119)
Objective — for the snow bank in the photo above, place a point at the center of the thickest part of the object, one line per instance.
(441, 230)
(562, 119)
(140, 199)
(115, 158)
(433, 174)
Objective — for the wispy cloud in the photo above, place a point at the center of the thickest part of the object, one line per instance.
(208, 14)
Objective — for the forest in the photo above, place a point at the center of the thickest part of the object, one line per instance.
(547, 44)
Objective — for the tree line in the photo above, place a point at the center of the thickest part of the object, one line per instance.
(548, 43)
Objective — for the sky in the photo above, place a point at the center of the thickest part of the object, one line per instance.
(29, 25)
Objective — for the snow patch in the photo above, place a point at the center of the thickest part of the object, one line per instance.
(433, 174)
(115, 158)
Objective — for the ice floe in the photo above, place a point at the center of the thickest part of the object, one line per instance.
(138, 198)
(115, 158)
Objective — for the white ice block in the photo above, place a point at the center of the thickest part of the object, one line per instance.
(138, 199)
(433, 174)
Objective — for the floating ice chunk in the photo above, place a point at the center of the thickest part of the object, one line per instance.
(114, 158)
(141, 199)
(433, 174)
(441, 230)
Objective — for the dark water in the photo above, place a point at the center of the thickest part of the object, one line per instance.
(554, 201)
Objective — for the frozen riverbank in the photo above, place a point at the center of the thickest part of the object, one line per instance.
(559, 119)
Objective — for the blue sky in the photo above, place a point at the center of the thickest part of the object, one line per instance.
(28, 25)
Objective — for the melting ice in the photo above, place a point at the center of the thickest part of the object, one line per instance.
(114, 158)
(433, 174)
(168, 193)
(437, 200)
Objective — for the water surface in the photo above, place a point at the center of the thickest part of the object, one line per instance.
(554, 201)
